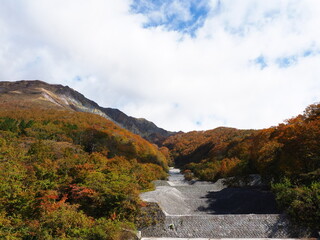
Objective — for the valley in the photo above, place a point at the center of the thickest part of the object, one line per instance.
(70, 169)
(199, 209)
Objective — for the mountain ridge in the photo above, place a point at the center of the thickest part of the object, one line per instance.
(65, 97)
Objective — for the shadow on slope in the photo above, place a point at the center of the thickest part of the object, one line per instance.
(240, 201)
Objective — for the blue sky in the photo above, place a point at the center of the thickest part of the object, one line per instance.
(184, 16)
(183, 64)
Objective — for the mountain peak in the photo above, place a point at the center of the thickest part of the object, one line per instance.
(45, 95)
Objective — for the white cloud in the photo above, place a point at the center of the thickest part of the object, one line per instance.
(177, 81)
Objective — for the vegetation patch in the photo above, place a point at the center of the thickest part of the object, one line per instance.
(69, 175)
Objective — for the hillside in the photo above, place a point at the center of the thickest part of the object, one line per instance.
(286, 156)
(41, 94)
(196, 146)
(66, 174)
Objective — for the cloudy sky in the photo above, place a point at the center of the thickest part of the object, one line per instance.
(183, 64)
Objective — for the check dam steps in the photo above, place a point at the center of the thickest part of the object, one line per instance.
(197, 209)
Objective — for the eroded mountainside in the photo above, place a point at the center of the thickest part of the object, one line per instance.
(41, 94)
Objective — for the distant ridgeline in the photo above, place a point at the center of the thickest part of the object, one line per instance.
(287, 157)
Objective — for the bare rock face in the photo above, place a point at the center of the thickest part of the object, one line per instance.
(58, 96)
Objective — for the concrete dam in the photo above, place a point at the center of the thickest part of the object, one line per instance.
(206, 210)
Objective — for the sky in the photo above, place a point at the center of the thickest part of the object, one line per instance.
(183, 64)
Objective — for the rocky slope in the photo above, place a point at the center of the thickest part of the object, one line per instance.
(38, 92)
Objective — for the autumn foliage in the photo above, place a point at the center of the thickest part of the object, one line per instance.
(288, 151)
(71, 175)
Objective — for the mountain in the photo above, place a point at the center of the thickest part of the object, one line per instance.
(42, 94)
(67, 174)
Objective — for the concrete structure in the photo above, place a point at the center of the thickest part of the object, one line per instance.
(195, 210)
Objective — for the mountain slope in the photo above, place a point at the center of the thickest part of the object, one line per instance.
(69, 175)
(39, 93)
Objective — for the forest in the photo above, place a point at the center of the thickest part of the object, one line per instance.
(72, 175)
(287, 157)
